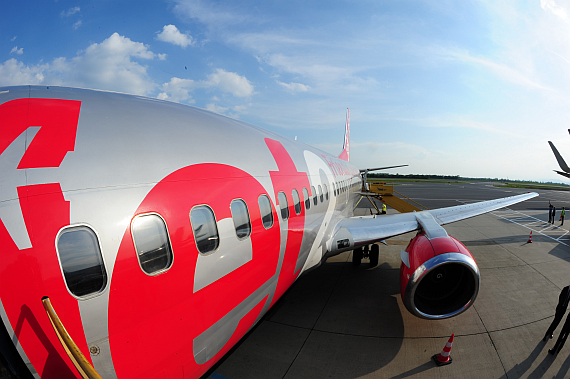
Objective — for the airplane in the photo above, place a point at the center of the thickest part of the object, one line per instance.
(565, 169)
(143, 238)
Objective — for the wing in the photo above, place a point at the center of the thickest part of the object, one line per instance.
(356, 231)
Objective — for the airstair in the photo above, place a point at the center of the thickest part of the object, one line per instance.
(393, 199)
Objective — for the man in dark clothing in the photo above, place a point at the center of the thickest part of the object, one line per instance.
(549, 212)
(563, 300)
(561, 338)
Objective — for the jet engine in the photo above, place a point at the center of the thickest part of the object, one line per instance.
(438, 277)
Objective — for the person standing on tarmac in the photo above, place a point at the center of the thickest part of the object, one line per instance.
(561, 307)
(383, 208)
(561, 338)
(562, 216)
(549, 212)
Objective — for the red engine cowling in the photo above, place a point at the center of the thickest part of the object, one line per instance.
(438, 278)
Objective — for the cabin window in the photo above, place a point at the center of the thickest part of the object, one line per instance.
(296, 202)
(326, 192)
(266, 211)
(152, 244)
(314, 191)
(240, 215)
(81, 260)
(283, 205)
(205, 229)
(307, 198)
(320, 193)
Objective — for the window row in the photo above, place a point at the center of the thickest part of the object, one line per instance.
(83, 266)
(344, 185)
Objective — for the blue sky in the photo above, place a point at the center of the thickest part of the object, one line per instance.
(471, 88)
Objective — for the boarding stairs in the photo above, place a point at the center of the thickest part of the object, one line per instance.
(393, 199)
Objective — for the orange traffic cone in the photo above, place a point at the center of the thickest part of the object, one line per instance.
(530, 238)
(444, 358)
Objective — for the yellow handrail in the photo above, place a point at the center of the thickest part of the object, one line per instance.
(81, 363)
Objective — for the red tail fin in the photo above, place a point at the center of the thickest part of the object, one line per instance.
(345, 155)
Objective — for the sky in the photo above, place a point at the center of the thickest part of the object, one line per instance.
(470, 88)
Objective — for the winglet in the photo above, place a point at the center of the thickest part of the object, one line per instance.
(345, 155)
(559, 158)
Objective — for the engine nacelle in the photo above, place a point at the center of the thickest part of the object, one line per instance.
(438, 278)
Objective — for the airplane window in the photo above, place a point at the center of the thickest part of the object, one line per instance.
(283, 205)
(321, 193)
(266, 211)
(240, 216)
(81, 260)
(205, 229)
(297, 202)
(314, 191)
(152, 244)
(326, 192)
(307, 199)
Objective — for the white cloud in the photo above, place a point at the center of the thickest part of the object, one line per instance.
(70, 12)
(216, 108)
(177, 90)
(505, 72)
(77, 25)
(240, 108)
(19, 51)
(230, 82)
(13, 38)
(13, 72)
(109, 65)
(212, 15)
(556, 9)
(171, 34)
(295, 87)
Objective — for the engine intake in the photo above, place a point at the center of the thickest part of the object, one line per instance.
(438, 278)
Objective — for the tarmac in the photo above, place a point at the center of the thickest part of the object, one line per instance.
(342, 321)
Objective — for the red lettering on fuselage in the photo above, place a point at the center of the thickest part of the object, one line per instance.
(29, 274)
(58, 121)
(153, 320)
(287, 179)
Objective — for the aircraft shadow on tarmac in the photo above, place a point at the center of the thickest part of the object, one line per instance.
(349, 319)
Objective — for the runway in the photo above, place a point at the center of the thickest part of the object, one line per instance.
(341, 321)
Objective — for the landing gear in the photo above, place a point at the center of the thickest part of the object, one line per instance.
(357, 255)
(372, 252)
(374, 255)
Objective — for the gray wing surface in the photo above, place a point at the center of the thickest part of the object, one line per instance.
(368, 229)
